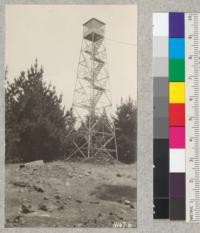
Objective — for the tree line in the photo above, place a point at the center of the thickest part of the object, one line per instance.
(38, 127)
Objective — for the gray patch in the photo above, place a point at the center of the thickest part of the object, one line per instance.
(161, 106)
(160, 67)
(161, 128)
(160, 86)
(160, 42)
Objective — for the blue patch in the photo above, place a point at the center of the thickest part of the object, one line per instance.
(176, 48)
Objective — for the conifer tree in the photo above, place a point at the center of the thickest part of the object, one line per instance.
(126, 131)
(36, 122)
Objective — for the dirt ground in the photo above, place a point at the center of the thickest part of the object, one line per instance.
(71, 194)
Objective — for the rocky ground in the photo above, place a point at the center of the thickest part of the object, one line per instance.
(71, 194)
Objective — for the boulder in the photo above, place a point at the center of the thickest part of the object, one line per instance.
(57, 196)
(34, 163)
(21, 184)
(78, 201)
(61, 207)
(127, 202)
(26, 208)
(38, 188)
(43, 207)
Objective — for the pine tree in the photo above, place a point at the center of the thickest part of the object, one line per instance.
(126, 131)
(36, 123)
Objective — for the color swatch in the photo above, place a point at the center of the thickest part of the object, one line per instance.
(177, 131)
(169, 115)
(161, 118)
(176, 137)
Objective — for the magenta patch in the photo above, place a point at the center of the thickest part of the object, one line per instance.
(177, 137)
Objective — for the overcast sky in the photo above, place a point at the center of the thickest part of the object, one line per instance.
(53, 34)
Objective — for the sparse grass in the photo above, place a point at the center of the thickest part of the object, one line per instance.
(75, 195)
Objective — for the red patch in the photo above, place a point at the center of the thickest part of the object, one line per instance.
(177, 114)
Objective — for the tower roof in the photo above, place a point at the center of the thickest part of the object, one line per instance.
(94, 22)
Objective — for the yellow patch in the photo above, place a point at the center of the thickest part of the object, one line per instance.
(177, 92)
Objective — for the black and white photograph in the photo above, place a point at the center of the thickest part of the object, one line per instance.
(71, 116)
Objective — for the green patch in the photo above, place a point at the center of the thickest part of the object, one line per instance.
(177, 70)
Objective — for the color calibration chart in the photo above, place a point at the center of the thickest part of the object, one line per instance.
(176, 132)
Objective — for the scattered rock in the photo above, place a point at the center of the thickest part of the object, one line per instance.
(79, 201)
(94, 202)
(38, 188)
(88, 173)
(45, 215)
(22, 221)
(46, 192)
(20, 184)
(26, 208)
(22, 166)
(34, 163)
(57, 202)
(61, 207)
(127, 202)
(46, 207)
(57, 196)
(102, 159)
(120, 201)
(17, 219)
(69, 197)
(80, 176)
(99, 214)
(79, 225)
(70, 174)
(43, 207)
(67, 184)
